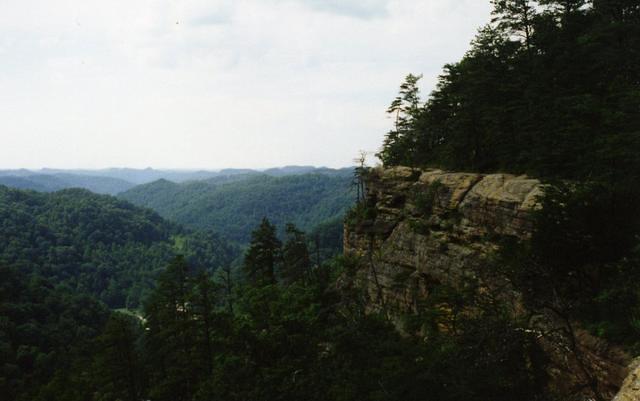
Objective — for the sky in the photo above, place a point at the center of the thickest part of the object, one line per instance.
(214, 83)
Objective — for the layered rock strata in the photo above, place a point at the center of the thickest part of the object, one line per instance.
(422, 228)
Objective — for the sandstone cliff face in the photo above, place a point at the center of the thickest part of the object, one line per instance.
(432, 227)
(466, 214)
(630, 390)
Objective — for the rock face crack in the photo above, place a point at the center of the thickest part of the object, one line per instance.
(464, 195)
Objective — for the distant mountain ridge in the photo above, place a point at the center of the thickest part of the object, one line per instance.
(59, 181)
(112, 181)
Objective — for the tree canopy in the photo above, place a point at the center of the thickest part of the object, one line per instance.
(550, 88)
(97, 244)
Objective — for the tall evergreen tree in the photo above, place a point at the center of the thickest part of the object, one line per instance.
(404, 109)
(296, 263)
(203, 302)
(515, 18)
(263, 255)
(117, 365)
(170, 335)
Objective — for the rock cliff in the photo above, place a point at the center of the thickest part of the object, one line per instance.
(420, 228)
(630, 390)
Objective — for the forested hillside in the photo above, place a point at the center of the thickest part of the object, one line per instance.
(453, 290)
(550, 88)
(47, 330)
(97, 244)
(234, 207)
(56, 182)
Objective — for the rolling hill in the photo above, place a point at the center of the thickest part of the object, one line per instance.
(234, 207)
(97, 244)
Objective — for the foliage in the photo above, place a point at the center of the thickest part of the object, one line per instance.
(360, 212)
(326, 240)
(549, 88)
(264, 253)
(405, 108)
(302, 340)
(584, 257)
(45, 333)
(296, 261)
(117, 371)
(235, 208)
(97, 244)
(299, 339)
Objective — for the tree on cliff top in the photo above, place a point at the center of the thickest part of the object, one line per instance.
(404, 109)
(550, 88)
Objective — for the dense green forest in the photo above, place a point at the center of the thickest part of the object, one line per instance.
(550, 88)
(280, 330)
(97, 244)
(234, 205)
(46, 330)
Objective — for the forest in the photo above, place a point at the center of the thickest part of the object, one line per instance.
(279, 329)
(234, 205)
(97, 244)
(549, 88)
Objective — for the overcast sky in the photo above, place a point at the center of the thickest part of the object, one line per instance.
(214, 83)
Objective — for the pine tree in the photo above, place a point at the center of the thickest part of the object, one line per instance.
(515, 18)
(203, 302)
(170, 334)
(117, 362)
(405, 110)
(296, 263)
(263, 254)
(563, 7)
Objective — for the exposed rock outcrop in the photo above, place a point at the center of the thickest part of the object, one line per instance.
(425, 228)
(630, 390)
(433, 225)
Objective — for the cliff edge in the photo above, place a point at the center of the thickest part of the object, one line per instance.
(417, 229)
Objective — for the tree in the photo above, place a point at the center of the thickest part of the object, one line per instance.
(203, 301)
(515, 18)
(263, 254)
(296, 263)
(117, 361)
(359, 175)
(170, 335)
(563, 7)
(405, 109)
(225, 281)
(618, 10)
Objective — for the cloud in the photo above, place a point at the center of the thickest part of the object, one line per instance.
(213, 83)
(364, 9)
